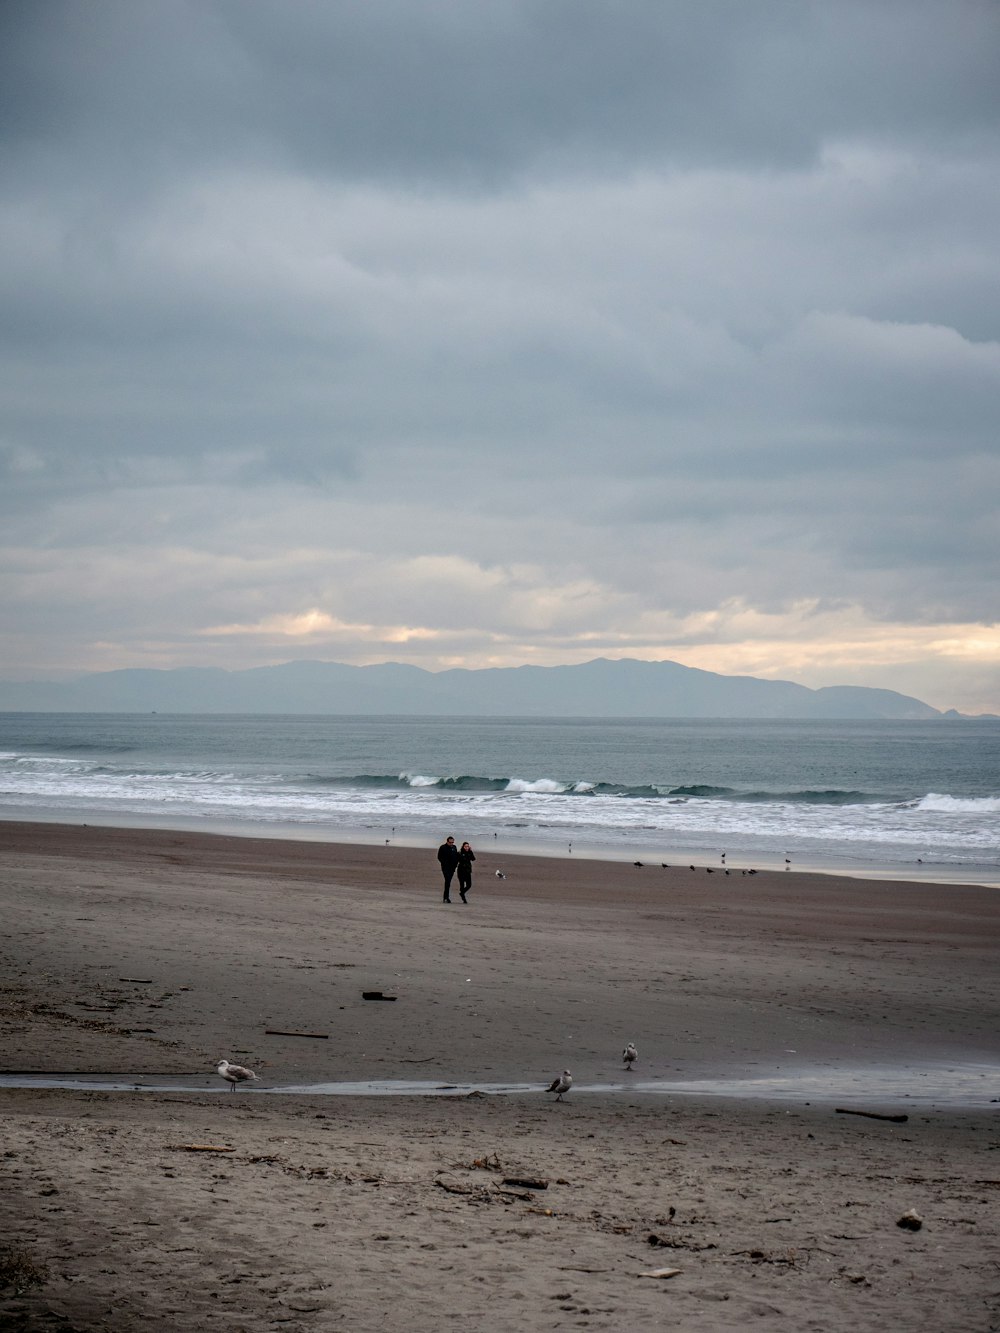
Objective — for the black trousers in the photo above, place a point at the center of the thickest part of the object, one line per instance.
(448, 873)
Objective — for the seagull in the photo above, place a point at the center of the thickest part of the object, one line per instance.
(561, 1084)
(501, 875)
(630, 1055)
(234, 1074)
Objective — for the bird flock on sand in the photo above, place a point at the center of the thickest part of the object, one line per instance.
(560, 1085)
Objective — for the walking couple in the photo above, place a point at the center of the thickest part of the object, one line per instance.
(451, 858)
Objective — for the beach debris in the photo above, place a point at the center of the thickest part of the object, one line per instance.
(660, 1272)
(453, 1187)
(499, 873)
(562, 1083)
(872, 1115)
(283, 1032)
(20, 1272)
(910, 1220)
(199, 1147)
(526, 1182)
(524, 1195)
(376, 995)
(491, 1162)
(630, 1054)
(234, 1074)
(144, 981)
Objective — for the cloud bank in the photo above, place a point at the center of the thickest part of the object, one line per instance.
(468, 335)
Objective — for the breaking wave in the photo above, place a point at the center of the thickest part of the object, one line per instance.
(542, 786)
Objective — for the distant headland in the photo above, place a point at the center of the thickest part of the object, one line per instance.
(600, 688)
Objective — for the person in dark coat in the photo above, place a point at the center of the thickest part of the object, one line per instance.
(466, 856)
(448, 859)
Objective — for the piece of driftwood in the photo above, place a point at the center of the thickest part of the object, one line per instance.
(455, 1189)
(526, 1182)
(660, 1272)
(524, 1195)
(199, 1147)
(138, 981)
(375, 995)
(281, 1032)
(872, 1115)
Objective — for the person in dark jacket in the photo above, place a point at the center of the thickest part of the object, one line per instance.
(448, 859)
(466, 856)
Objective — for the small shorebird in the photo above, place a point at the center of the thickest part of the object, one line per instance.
(630, 1055)
(234, 1074)
(561, 1084)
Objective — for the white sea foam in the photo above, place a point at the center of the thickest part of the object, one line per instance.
(540, 787)
(976, 805)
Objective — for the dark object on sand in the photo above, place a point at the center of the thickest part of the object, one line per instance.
(281, 1032)
(873, 1115)
(375, 995)
(526, 1182)
(911, 1220)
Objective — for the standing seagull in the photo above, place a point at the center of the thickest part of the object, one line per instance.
(561, 1084)
(234, 1074)
(630, 1055)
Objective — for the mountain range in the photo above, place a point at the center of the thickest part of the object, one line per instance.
(601, 688)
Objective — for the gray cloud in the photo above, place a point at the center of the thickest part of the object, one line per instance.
(536, 329)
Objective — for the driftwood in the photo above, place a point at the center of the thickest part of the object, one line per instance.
(138, 981)
(456, 1189)
(524, 1195)
(375, 995)
(199, 1147)
(526, 1182)
(660, 1272)
(872, 1115)
(280, 1032)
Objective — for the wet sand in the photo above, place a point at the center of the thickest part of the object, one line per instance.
(146, 953)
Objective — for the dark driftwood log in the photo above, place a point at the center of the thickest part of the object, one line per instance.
(375, 995)
(526, 1182)
(280, 1032)
(873, 1115)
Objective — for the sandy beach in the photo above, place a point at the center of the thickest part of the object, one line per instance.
(152, 954)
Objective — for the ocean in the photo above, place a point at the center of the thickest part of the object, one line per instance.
(899, 799)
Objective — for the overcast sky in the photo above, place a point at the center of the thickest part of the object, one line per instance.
(469, 333)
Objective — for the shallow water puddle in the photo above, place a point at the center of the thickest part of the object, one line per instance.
(964, 1085)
